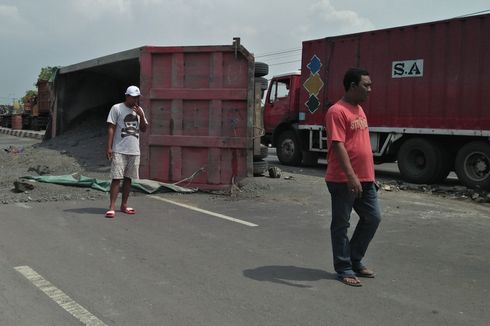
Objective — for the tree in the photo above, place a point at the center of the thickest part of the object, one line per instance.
(29, 95)
(46, 73)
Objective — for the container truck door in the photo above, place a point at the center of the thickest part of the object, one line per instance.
(277, 107)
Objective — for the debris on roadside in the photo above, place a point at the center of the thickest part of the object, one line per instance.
(14, 150)
(40, 169)
(274, 172)
(388, 187)
(22, 186)
(450, 191)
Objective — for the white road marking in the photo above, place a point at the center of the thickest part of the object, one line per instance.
(225, 217)
(59, 297)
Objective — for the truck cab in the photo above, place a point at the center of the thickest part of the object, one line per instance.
(281, 101)
(281, 108)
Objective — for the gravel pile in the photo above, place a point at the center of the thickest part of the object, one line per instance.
(79, 150)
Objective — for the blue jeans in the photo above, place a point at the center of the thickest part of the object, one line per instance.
(347, 255)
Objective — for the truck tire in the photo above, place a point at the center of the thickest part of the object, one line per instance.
(263, 82)
(261, 69)
(289, 149)
(310, 158)
(446, 164)
(422, 161)
(264, 152)
(260, 167)
(473, 165)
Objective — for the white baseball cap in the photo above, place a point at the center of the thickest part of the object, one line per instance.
(133, 91)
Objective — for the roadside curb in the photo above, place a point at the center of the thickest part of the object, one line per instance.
(22, 133)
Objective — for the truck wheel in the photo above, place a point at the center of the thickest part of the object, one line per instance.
(446, 164)
(310, 158)
(260, 167)
(264, 151)
(421, 161)
(289, 149)
(473, 165)
(261, 69)
(263, 82)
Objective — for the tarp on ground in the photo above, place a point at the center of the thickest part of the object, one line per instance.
(77, 180)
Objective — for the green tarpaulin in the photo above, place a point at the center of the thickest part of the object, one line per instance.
(144, 185)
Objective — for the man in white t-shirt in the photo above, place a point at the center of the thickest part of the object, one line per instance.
(125, 121)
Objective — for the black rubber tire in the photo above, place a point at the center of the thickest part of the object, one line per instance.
(473, 165)
(446, 164)
(261, 69)
(310, 158)
(264, 152)
(263, 82)
(289, 148)
(260, 167)
(421, 161)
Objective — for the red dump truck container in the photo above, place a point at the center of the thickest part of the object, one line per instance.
(428, 109)
(198, 99)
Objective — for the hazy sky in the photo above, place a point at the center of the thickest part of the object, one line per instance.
(39, 33)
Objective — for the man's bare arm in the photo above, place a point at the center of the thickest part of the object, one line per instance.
(353, 182)
(110, 137)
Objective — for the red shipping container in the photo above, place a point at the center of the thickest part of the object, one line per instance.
(429, 75)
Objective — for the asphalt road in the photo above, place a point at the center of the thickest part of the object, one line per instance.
(170, 265)
(262, 260)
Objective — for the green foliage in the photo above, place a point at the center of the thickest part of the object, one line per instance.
(46, 73)
(30, 93)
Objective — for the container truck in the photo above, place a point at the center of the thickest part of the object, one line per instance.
(429, 108)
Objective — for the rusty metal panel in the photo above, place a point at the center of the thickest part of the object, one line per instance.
(199, 104)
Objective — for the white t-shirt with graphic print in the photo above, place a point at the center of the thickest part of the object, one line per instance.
(127, 133)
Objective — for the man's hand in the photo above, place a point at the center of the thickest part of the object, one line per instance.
(138, 110)
(110, 135)
(354, 185)
(109, 154)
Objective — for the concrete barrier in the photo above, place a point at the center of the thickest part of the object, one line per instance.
(22, 133)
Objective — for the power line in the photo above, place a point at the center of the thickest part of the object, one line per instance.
(285, 55)
(275, 53)
(269, 54)
(283, 63)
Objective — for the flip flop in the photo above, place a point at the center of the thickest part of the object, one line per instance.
(364, 272)
(110, 214)
(350, 280)
(128, 210)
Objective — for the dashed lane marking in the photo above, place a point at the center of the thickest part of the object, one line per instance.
(60, 297)
(225, 217)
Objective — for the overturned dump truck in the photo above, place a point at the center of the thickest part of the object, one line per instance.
(200, 102)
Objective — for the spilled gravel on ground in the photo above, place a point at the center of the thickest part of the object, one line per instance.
(79, 150)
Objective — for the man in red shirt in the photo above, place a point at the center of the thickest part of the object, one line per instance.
(350, 178)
